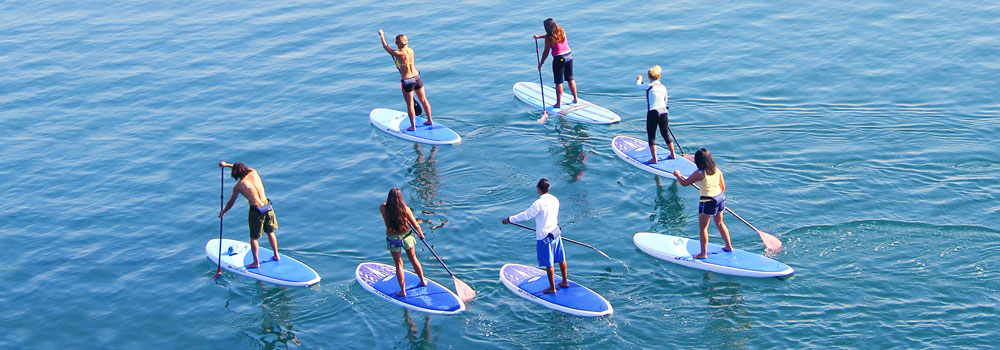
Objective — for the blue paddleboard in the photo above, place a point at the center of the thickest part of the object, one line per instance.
(680, 251)
(236, 255)
(395, 123)
(636, 152)
(528, 282)
(380, 279)
(582, 111)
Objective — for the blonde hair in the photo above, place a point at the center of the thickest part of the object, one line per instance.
(401, 39)
(654, 73)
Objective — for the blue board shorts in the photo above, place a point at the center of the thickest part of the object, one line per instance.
(712, 205)
(549, 251)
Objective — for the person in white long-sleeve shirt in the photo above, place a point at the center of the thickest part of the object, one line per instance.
(548, 244)
(656, 111)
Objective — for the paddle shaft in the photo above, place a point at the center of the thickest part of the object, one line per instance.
(541, 88)
(438, 258)
(734, 213)
(222, 196)
(675, 140)
(566, 239)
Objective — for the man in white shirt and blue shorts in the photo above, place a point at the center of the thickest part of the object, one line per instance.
(548, 246)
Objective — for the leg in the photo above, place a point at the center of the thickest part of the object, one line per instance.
(665, 132)
(572, 89)
(422, 95)
(559, 91)
(254, 247)
(397, 259)
(568, 75)
(273, 239)
(408, 97)
(651, 135)
(723, 230)
(412, 254)
(703, 235)
(565, 282)
(551, 271)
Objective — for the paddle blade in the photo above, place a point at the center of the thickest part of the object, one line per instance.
(464, 291)
(771, 242)
(215, 277)
(545, 116)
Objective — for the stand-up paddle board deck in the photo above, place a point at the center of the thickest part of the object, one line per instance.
(236, 255)
(395, 123)
(680, 251)
(380, 279)
(636, 152)
(529, 282)
(582, 111)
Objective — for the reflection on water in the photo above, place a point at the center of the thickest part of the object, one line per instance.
(276, 329)
(571, 136)
(729, 324)
(669, 209)
(425, 182)
(418, 338)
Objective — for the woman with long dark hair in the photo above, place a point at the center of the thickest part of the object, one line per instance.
(562, 58)
(399, 226)
(712, 202)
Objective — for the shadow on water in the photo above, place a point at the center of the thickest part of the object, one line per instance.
(571, 136)
(729, 324)
(276, 330)
(418, 338)
(669, 208)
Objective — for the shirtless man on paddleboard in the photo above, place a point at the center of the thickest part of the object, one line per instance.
(261, 216)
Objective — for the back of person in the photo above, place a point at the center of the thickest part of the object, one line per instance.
(710, 185)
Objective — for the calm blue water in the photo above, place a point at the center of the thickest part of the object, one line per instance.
(862, 134)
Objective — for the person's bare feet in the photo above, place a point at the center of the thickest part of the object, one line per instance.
(423, 283)
(700, 256)
(727, 249)
(556, 106)
(411, 128)
(651, 161)
(401, 293)
(428, 122)
(275, 257)
(549, 290)
(564, 284)
(253, 266)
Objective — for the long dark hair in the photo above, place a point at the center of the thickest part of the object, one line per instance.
(554, 34)
(239, 170)
(395, 211)
(704, 161)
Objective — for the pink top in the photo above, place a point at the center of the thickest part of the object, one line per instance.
(560, 48)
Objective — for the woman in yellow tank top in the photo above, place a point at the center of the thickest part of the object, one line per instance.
(708, 178)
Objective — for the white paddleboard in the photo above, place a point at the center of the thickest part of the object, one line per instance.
(395, 123)
(636, 152)
(380, 279)
(680, 250)
(236, 255)
(582, 111)
(528, 282)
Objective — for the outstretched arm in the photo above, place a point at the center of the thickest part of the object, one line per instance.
(223, 164)
(229, 205)
(545, 54)
(694, 177)
(385, 45)
(414, 223)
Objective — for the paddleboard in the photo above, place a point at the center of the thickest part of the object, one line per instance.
(380, 279)
(582, 111)
(528, 282)
(636, 152)
(236, 255)
(739, 262)
(395, 123)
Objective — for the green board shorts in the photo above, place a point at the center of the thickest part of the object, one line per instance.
(258, 222)
(396, 243)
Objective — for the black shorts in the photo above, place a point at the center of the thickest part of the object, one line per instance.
(411, 84)
(562, 68)
(656, 120)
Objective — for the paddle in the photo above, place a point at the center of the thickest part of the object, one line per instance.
(222, 195)
(567, 240)
(464, 291)
(541, 87)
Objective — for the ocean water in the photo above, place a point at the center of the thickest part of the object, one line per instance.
(863, 134)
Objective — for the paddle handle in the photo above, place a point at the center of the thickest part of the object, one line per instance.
(222, 196)
(541, 86)
(733, 212)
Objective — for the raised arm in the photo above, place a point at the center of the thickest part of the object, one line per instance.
(385, 45)
(639, 84)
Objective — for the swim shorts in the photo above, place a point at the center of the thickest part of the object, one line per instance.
(410, 84)
(396, 243)
(550, 251)
(266, 222)
(712, 205)
(562, 68)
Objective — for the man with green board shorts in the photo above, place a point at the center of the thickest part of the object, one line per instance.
(261, 216)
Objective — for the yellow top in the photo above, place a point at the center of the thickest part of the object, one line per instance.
(710, 186)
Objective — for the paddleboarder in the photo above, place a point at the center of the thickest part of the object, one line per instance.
(399, 226)
(261, 216)
(712, 202)
(548, 244)
(656, 111)
(562, 58)
(410, 81)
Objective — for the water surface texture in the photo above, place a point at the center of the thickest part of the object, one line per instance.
(862, 134)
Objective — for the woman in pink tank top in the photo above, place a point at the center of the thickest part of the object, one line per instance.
(562, 58)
